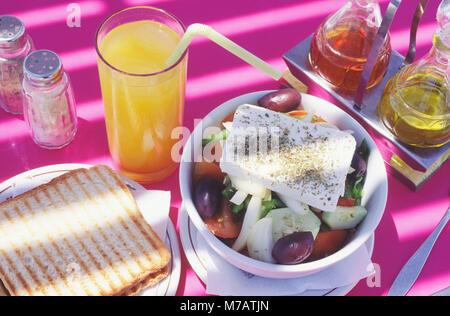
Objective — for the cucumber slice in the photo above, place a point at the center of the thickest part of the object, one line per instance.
(260, 241)
(345, 217)
(252, 215)
(297, 206)
(250, 187)
(286, 222)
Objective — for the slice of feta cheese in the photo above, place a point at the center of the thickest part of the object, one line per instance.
(304, 161)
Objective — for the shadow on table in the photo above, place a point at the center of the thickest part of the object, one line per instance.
(392, 250)
(21, 154)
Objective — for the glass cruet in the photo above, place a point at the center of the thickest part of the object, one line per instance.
(341, 45)
(415, 106)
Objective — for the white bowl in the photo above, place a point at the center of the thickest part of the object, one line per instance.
(374, 198)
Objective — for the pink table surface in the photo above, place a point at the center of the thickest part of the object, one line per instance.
(269, 29)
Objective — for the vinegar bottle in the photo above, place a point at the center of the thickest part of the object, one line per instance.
(341, 45)
(415, 106)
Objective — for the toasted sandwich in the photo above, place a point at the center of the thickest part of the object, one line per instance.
(81, 234)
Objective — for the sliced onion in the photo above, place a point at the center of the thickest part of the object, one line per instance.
(252, 215)
(250, 187)
(296, 206)
(260, 241)
(239, 197)
(228, 126)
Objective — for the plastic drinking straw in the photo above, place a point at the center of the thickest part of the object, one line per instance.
(219, 39)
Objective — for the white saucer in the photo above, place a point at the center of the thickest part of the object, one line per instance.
(33, 178)
(198, 256)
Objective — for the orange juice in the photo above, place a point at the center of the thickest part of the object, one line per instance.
(143, 100)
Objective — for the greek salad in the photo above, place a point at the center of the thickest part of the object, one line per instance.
(259, 219)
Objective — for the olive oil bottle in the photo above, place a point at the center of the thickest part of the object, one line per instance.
(415, 106)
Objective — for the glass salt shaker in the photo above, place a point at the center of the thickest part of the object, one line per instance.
(15, 45)
(49, 102)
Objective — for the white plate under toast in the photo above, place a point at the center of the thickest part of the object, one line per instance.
(33, 178)
(198, 258)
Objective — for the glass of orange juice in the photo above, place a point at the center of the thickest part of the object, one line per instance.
(144, 99)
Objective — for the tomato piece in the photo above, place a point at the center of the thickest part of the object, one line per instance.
(229, 118)
(346, 202)
(205, 169)
(327, 243)
(318, 119)
(300, 114)
(225, 224)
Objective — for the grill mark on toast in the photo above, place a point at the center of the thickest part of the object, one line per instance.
(7, 284)
(140, 237)
(116, 234)
(80, 241)
(19, 256)
(41, 248)
(82, 170)
(74, 253)
(110, 244)
(138, 221)
(138, 224)
(54, 245)
(101, 190)
(129, 229)
(44, 250)
(11, 285)
(147, 231)
(34, 275)
(68, 245)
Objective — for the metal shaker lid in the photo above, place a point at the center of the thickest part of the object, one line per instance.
(42, 65)
(11, 29)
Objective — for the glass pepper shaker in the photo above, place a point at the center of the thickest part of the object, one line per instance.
(49, 102)
(15, 45)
